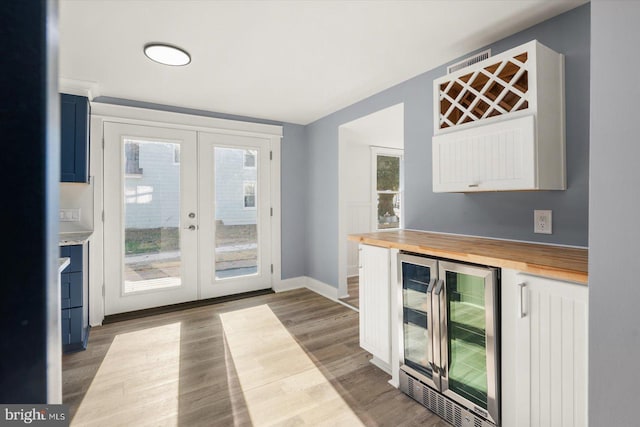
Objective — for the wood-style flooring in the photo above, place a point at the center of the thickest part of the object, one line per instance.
(354, 292)
(283, 359)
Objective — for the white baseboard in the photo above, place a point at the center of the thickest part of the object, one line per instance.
(290, 284)
(322, 288)
(314, 285)
(352, 270)
(380, 364)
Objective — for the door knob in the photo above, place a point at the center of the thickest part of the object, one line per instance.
(192, 227)
(192, 215)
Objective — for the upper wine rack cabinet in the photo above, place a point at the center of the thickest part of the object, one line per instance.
(520, 81)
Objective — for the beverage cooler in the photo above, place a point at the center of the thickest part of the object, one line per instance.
(449, 344)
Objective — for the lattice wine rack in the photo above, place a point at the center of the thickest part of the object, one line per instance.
(490, 91)
(495, 87)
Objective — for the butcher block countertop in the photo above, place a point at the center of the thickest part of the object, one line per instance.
(557, 262)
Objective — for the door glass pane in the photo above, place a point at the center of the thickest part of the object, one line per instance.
(466, 334)
(415, 282)
(236, 208)
(151, 215)
(388, 188)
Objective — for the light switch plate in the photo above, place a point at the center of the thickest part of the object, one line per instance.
(70, 215)
(542, 221)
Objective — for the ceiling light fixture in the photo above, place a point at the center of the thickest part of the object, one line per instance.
(166, 54)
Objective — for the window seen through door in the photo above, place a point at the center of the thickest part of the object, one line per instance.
(388, 191)
(250, 195)
(132, 158)
(250, 159)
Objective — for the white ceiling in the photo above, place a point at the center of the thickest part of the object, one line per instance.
(291, 61)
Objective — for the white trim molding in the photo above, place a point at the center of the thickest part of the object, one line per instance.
(79, 87)
(321, 288)
(290, 284)
(146, 116)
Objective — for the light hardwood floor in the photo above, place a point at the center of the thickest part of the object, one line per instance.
(280, 359)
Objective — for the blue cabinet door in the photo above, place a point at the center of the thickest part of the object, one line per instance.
(72, 329)
(74, 138)
(72, 291)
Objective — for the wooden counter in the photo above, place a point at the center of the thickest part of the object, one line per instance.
(555, 262)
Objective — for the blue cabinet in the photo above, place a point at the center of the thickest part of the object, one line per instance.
(74, 138)
(74, 301)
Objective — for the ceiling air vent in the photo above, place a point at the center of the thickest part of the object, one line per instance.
(469, 61)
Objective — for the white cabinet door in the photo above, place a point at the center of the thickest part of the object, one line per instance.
(497, 156)
(374, 302)
(544, 351)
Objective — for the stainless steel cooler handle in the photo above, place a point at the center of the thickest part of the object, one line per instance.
(436, 312)
(430, 360)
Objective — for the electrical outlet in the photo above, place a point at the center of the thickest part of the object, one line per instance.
(542, 222)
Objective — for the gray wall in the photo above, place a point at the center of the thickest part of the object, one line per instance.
(503, 215)
(295, 188)
(614, 231)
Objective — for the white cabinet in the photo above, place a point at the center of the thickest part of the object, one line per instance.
(499, 124)
(544, 351)
(375, 300)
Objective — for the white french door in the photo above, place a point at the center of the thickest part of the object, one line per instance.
(235, 232)
(186, 216)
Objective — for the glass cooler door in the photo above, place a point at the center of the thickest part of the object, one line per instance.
(469, 357)
(419, 279)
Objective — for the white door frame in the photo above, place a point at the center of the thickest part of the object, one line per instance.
(108, 112)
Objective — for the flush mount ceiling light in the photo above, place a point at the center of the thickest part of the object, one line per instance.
(166, 54)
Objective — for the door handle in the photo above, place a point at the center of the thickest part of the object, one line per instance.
(430, 331)
(441, 327)
(191, 227)
(521, 309)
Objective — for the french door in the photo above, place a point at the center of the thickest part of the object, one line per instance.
(235, 214)
(186, 216)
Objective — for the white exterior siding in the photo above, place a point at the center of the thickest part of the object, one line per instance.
(152, 197)
(231, 176)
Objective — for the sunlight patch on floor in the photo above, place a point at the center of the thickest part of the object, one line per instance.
(113, 401)
(280, 383)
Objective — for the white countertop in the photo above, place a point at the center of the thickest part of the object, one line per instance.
(63, 263)
(74, 238)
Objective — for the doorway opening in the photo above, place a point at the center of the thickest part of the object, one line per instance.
(371, 183)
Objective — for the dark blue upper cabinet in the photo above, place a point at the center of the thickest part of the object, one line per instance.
(74, 141)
